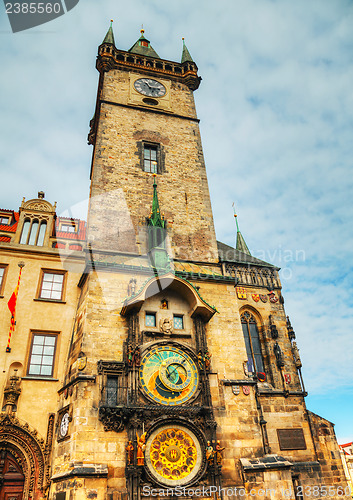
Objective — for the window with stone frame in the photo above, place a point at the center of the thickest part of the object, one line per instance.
(3, 270)
(151, 157)
(252, 343)
(52, 285)
(42, 354)
(33, 232)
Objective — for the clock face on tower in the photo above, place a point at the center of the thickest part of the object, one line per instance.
(64, 424)
(149, 87)
(168, 375)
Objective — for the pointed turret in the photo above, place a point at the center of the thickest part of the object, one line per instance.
(109, 37)
(143, 47)
(185, 57)
(241, 245)
(155, 219)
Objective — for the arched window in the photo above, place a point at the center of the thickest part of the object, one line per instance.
(33, 232)
(25, 231)
(252, 343)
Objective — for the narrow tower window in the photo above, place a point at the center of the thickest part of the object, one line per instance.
(150, 158)
(252, 343)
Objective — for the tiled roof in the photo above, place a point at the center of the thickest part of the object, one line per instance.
(9, 228)
(65, 235)
(5, 238)
(230, 254)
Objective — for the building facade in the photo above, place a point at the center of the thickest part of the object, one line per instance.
(147, 359)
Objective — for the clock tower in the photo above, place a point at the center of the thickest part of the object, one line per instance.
(183, 370)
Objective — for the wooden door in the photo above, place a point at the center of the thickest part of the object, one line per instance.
(11, 478)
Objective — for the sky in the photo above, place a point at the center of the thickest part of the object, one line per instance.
(275, 105)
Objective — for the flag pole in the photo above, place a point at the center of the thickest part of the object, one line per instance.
(12, 306)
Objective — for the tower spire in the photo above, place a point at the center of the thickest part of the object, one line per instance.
(155, 218)
(186, 57)
(241, 245)
(109, 37)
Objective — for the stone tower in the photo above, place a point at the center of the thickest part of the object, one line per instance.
(183, 369)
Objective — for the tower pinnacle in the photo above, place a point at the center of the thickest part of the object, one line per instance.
(109, 37)
(186, 57)
(241, 245)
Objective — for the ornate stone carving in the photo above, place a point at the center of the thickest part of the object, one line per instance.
(12, 393)
(296, 356)
(166, 326)
(28, 448)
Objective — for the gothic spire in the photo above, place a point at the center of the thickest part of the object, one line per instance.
(109, 37)
(241, 245)
(143, 47)
(186, 57)
(155, 218)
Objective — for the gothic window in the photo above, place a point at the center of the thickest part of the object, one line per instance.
(33, 232)
(252, 343)
(156, 237)
(52, 285)
(42, 354)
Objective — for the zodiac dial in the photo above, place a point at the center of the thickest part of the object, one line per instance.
(173, 455)
(168, 375)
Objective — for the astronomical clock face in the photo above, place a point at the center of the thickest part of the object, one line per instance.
(173, 455)
(168, 375)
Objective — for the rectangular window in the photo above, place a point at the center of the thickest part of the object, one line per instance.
(150, 319)
(41, 358)
(4, 220)
(150, 163)
(111, 391)
(68, 228)
(2, 276)
(52, 285)
(178, 322)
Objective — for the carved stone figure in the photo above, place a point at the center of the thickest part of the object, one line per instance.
(219, 454)
(12, 392)
(130, 453)
(141, 446)
(137, 356)
(209, 453)
(279, 355)
(207, 359)
(166, 326)
(131, 288)
(130, 355)
(296, 356)
(200, 360)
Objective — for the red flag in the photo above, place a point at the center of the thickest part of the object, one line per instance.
(12, 301)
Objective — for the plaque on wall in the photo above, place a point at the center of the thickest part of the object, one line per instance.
(291, 439)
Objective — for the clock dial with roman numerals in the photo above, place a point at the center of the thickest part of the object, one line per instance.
(149, 87)
(168, 375)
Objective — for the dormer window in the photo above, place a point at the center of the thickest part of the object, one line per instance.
(4, 220)
(68, 228)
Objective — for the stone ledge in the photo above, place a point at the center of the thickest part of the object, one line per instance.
(265, 463)
(83, 470)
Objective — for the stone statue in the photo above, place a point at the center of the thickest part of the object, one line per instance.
(130, 355)
(141, 446)
(209, 453)
(279, 355)
(296, 357)
(137, 356)
(130, 453)
(200, 360)
(219, 454)
(207, 359)
(166, 326)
